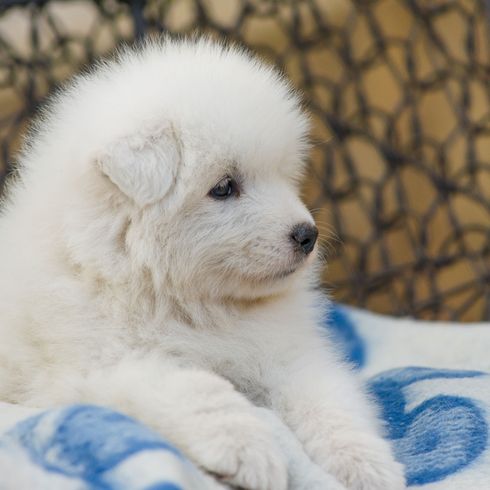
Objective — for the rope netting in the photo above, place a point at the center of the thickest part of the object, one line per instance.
(400, 98)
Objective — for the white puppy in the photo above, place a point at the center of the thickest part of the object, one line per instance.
(156, 258)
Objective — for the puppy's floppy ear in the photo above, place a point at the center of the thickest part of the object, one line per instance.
(144, 168)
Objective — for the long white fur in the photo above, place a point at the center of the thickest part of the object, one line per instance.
(123, 283)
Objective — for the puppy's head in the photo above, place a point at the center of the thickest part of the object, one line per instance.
(200, 147)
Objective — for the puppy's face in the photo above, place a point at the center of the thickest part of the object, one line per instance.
(209, 158)
(215, 217)
(241, 234)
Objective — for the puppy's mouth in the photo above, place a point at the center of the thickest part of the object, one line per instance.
(278, 275)
(289, 270)
(283, 274)
(270, 277)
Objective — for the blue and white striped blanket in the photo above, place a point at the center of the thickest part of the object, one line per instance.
(430, 381)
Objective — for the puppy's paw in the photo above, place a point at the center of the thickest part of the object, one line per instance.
(365, 462)
(240, 451)
(217, 428)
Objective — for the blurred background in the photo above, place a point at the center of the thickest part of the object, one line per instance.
(399, 92)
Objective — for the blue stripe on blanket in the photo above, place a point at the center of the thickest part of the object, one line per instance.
(440, 436)
(344, 332)
(90, 444)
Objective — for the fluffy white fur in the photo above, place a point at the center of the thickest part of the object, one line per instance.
(123, 283)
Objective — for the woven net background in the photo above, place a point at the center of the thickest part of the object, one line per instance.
(400, 97)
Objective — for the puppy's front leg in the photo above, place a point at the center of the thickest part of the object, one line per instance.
(198, 411)
(326, 407)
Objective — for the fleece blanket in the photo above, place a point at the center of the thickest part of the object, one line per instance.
(430, 381)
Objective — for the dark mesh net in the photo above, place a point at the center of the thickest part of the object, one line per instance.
(400, 97)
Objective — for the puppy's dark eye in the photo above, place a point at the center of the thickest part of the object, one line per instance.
(225, 188)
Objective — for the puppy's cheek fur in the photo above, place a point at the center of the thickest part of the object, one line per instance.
(237, 246)
(228, 260)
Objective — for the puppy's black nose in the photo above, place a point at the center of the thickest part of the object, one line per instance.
(304, 236)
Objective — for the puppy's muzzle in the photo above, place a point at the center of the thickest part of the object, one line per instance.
(304, 237)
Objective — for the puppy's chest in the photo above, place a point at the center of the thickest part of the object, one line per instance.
(243, 359)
